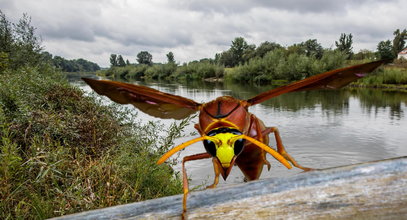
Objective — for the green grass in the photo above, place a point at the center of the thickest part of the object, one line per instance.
(388, 77)
(62, 152)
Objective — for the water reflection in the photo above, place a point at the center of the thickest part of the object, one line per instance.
(373, 101)
(319, 128)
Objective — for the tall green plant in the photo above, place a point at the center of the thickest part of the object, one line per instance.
(385, 50)
(19, 42)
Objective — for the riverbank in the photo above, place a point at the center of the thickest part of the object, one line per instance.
(392, 76)
(387, 87)
(63, 152)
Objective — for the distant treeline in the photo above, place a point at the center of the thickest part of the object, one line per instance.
(268, 62)
(279, 64)
(75, 65)
(19, 46)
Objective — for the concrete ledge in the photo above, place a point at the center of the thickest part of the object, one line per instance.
(373, 190)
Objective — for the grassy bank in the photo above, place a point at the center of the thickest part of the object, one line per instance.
(392, 76)
(62, 152)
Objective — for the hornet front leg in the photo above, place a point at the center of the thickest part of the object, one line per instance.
(281, 149)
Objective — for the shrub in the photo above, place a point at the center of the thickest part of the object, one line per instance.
(198, 70)
(281, 64)
(63, 152)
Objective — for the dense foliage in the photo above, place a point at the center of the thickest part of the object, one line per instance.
(144, 57)
(385, 50)
(117, 60)
(19, 46)
(390, 49)
(75, 65)
(281, 66)
(345, 44)
(62, 151)
(268, 63)
(393, 77)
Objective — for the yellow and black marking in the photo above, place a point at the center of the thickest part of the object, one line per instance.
(231, 141)
(224, 149)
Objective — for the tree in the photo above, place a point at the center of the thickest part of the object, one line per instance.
(6, 34)
(46, 56)
(248, 53)
(313, 48)
(144, 57)
(296, 49)
(217, 59)
(28, 44)
(6, 41)
(120, 61)
(238, 47)
(85, 65)
(170, 57)
(3, 61)
(266, 47)
(385, 50)
(226, 59)
(127, 62)
(77, 65)
(399, 41)
(18, 43)
(113, 60)
(364, 54)
(345, 44)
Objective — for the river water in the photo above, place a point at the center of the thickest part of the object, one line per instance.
(320, 129)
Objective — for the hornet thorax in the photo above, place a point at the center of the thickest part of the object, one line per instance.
(224, 111)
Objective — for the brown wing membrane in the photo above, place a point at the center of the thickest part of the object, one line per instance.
(329, 80)
(148, 100)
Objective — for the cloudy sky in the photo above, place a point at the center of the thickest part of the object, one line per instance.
(191, 29)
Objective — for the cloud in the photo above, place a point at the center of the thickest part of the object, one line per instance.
(301, 6)
(93, 29)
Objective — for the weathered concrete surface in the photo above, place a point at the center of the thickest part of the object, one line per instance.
(375, 190)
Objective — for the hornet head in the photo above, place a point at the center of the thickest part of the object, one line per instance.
(225, 145)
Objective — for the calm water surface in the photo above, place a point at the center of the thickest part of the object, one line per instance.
(320, 129)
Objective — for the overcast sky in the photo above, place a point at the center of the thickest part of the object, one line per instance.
(94, 29)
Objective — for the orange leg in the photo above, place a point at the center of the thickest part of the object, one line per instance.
(216, 168)
(267, 163)
(281, 149)
(260, 137)
(185, 177)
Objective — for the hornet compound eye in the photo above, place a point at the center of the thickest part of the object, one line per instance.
(210, 147)
(238, 146)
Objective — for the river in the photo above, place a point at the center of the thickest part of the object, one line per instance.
(320, 129)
